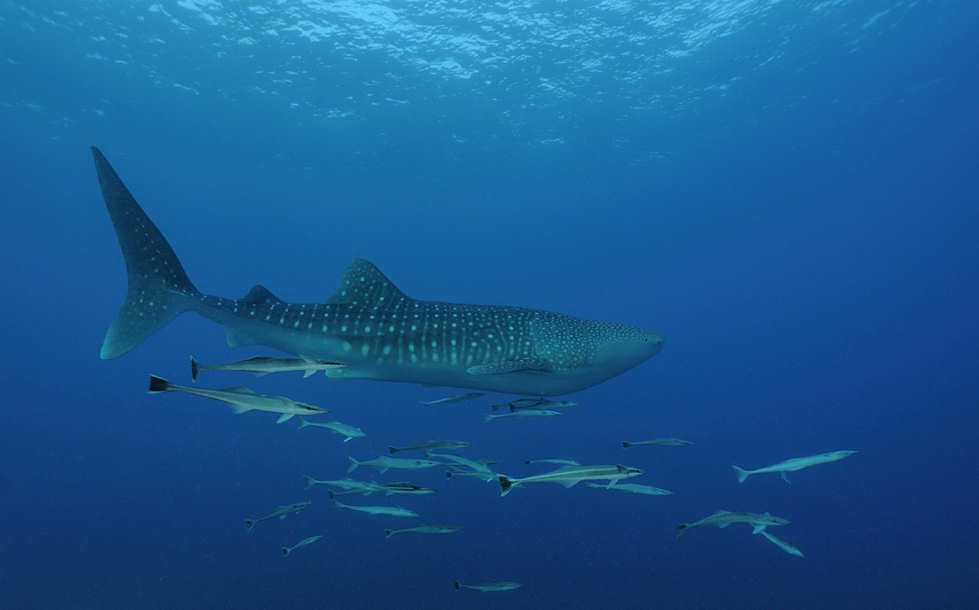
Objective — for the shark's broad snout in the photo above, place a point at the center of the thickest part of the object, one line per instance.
(653, 341)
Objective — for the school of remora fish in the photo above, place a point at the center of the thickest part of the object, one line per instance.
(371, 330)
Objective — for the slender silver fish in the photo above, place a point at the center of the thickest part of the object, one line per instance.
(474, 466)
(543, 403)
(262, 365)
(635, 488)
(459, 471)
(569, 476)
(383, 463)
(785, 546)
(404, 487)
(279, 513)
(305, 541)
(659, 442)
(451, 399)
(489, 587)
(794, 464)
(524, 413)
(392, 511)
(724, 518)
(350, 432)
(365, 487)
(423, 529)
(563, 461)
(242, 399)
(428, 445)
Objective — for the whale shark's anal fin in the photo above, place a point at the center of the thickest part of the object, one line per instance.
(159, 289)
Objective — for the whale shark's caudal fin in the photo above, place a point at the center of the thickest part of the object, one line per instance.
(159, 289)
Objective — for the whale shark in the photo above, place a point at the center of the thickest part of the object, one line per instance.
(369, 324)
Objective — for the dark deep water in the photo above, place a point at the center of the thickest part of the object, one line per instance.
(785, 191)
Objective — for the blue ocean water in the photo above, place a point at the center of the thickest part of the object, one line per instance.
(785, 190)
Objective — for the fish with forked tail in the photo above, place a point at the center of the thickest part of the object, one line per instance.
(794, 464)
(242, 399)
(263, 365)
(369, 324)
(569, 476)
(280, 513)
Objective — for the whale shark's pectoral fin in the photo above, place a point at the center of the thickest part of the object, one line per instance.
(759, 529)
(284, 417)
(785, 478)
(511, 366)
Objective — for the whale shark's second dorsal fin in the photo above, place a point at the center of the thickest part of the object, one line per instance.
(363, 284)
(260, 295)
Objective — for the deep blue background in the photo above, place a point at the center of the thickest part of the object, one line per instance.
(802, 230)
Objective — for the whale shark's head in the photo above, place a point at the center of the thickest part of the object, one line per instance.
(619, 347)
(589, 350)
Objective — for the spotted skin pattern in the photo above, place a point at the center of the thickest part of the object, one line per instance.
(370, 324)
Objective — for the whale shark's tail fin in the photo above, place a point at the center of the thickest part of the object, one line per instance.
(159, 289)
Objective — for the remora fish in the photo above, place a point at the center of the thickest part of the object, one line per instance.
(534, 403)
(242, 399)
(350, 432)
(473, 465)
(785, 546)
(392, 511)
(659, 442)
(565, 461)
(423, 529)
(724, 518)
(369, 324)
(279, 513)
(431, 445)
(352, 484)
(404, 487)
(305, 541)
(524, 413)
(489, 587)
(569, 476)
(383, 463)
(794, 464)
(263, 365)
(451, 399)
(543, 403)
(635, 488)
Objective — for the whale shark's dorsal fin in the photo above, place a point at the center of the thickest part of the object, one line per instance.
(363, 284)
(260, 295)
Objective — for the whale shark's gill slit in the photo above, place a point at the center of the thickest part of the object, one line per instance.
(159, 289)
